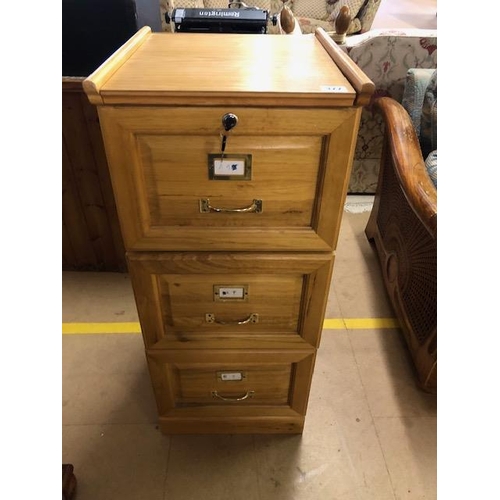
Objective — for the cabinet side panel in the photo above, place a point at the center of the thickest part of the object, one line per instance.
(147, 299)
(342, 143)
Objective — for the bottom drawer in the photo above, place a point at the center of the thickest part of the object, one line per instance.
(199, 391)
(231, 383)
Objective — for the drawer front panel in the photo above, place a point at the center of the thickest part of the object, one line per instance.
(184, 378)
(267, 303)
(285, 184)
(176, 177)
(193, 296)
(231, 384)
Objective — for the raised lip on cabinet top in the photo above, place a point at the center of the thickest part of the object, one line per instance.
(292, 70)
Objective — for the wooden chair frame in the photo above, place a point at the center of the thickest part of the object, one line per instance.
(403, 229)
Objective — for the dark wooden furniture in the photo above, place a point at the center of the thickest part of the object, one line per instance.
(403, 227)
(91, 237)
(68, 482)
(91, 31)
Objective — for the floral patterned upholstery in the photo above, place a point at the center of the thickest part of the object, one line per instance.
(385, 56)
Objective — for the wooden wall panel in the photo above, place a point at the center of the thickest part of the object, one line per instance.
(91, 234)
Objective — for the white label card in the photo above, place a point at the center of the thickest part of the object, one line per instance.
(229, 167)
(227, 292)
(333, 88)
(231, 376)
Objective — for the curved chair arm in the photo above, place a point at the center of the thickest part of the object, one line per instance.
(401, 143)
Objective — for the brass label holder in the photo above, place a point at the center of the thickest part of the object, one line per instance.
(229, 167)
(235, 376)
(230, 293)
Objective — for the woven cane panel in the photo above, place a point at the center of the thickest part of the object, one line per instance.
(403, 234)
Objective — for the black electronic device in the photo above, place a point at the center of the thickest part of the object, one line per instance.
(243, 20)
(93, 29)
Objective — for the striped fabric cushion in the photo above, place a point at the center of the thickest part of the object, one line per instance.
(431, 164)
(428, 121)
(416, 82)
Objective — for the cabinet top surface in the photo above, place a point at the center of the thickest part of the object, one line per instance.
(215, 64)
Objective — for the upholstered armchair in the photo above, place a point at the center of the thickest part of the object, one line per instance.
(385, 56)
(312, 14)
(403, 222)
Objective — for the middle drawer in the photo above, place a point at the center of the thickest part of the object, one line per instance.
(188, 295)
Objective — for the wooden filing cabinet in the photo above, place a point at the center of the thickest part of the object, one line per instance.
(230, 253)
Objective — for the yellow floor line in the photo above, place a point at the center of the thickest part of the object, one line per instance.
(135, 327)
(366, 323)
(82, 328)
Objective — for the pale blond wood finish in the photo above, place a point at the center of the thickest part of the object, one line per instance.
(287, 290)
(94, 82)
(158, 159)
(233, 66)
(248, 100)
(363, 85)
(298, 107)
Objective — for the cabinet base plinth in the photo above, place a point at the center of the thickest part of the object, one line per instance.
(238, 425)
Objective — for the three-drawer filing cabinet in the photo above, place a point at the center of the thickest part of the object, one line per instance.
(229, 157)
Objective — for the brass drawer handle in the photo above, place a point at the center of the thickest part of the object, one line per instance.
(249, 394)
(255, 207)
(253, 318)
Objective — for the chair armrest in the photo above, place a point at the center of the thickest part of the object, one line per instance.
(402, 149)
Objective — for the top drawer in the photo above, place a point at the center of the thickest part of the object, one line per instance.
(282, 188)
